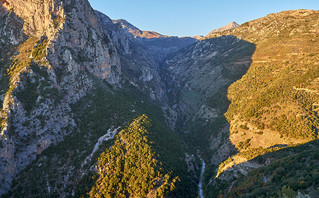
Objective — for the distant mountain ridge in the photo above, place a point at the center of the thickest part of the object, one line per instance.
(157, 44)
(229, 26)
(136, 32)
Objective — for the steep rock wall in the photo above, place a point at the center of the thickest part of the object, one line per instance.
(61, 48)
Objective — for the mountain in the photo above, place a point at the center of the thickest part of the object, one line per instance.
(47, 52)
(137, 33)
(165, 46)
(91, 109)
(159, 45)
(139, 64)
(198, 37)
(69, 83)
(274, 105)
(197, 79)
(267, 69)
(229, 26)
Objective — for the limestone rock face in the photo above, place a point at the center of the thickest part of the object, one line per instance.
(39, 17)
(139, 64)
(56, 49)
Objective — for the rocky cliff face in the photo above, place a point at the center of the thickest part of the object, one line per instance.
(60, 45)
(139, 65)
(197, 79)
(38, 17)
(65, 74)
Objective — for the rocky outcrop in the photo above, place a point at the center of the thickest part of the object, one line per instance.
(39, 18)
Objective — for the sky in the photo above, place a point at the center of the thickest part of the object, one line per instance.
(193, 17)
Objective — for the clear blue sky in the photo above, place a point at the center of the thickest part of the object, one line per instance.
(193, 17)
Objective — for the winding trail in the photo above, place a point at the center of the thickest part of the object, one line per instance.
(200, 187)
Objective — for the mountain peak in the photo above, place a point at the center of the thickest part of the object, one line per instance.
(233, 24)
(137, 32)
(125, 24)
(229, 26)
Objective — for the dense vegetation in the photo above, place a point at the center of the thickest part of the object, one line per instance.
(279, 92)
(62, 169)
(293, 171)
(130, 168)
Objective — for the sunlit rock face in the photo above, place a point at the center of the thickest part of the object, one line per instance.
(62, 49)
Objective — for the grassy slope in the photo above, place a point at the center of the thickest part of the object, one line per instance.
(276, 101)
(279, 92)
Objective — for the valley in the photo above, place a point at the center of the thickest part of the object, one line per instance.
(95, 107)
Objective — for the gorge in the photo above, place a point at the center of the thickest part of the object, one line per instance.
(95, 107)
